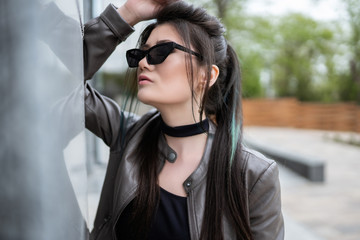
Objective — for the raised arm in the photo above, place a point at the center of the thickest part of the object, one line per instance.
(103, 116)
(114, 25)
(101, 36)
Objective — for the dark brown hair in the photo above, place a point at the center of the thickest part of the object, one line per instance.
(222, 103)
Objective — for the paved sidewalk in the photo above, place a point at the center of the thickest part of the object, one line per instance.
(329, 210)
(312, 211)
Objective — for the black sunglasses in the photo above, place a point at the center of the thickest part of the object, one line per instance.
(156, 54)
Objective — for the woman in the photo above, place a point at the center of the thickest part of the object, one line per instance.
(179, 172)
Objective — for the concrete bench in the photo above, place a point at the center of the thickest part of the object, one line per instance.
(309, 167)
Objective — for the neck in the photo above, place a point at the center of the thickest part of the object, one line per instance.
(174, 117)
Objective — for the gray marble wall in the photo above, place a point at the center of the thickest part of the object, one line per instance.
(42, 143)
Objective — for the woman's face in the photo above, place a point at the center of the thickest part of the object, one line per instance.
(164, 84)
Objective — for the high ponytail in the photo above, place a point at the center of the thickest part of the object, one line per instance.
(225, 184)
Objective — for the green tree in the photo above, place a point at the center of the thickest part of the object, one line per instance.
(296, 51)
(303, 61)
(299, 55)
(252, 39)
(353, 9)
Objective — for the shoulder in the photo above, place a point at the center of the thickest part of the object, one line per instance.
(264, 198)
(258, 170)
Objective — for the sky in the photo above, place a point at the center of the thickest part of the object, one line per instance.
(317, 9)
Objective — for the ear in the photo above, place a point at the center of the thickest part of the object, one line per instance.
(213, 77)
(214, 74)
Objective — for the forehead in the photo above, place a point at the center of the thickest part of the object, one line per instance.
(163, 32)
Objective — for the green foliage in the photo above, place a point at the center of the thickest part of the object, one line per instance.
(300, 54)
(353, 8)
(251, 38)
(304, 46)
(302, 57)
(251, 86)
(348, 89)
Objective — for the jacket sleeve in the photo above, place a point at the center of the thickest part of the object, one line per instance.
(266, 219)
(103, 116)
(101, 37)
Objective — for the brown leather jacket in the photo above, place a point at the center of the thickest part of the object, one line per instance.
(104, 118)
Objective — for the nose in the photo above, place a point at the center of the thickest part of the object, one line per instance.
(144, 64)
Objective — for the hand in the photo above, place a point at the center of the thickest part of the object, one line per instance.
(134, 11)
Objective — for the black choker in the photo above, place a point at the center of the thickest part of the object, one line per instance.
(186, 130)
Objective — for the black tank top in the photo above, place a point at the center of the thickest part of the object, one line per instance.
(170, 220)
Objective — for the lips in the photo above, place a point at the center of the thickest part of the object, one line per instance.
(142, 79)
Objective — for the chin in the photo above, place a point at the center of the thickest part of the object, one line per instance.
(145, 99)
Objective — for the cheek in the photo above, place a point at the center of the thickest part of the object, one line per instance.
(175, 79)
(174, 70)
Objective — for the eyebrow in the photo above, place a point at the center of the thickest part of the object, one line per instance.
(147, 46)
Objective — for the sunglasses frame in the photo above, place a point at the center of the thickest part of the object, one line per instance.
(145, 53)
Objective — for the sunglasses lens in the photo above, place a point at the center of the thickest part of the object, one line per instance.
(134, 56)
(159, 53)
(154, 55)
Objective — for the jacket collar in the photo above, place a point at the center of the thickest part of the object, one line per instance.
(167, 153)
